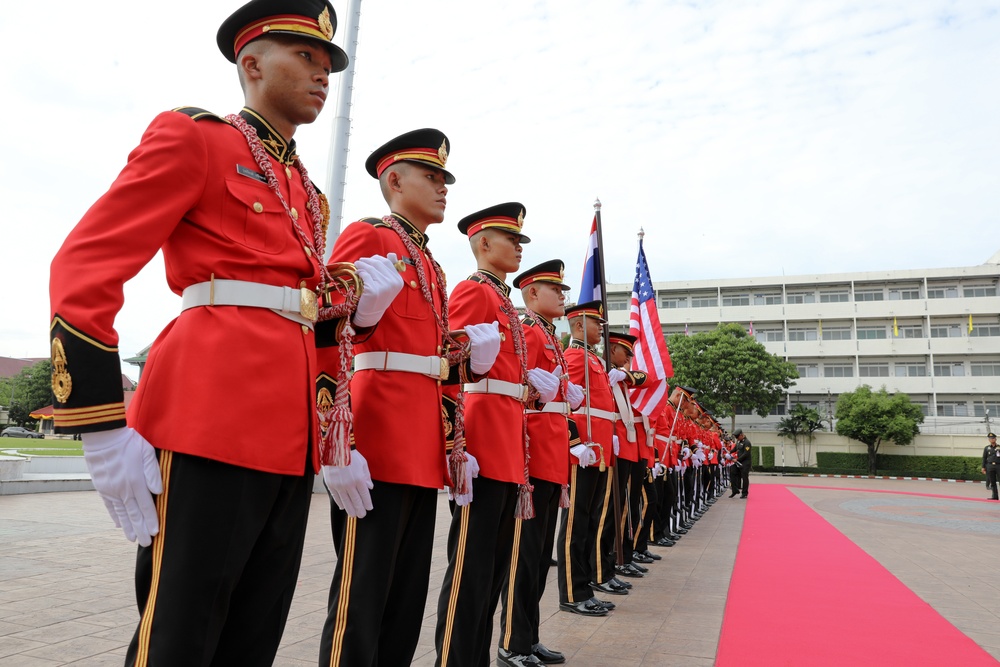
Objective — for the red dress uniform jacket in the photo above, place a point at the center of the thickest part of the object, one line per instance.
(580, 363)
(547, 432)
(228, 383)
(494, 430)
(398, 424)
(628, 450)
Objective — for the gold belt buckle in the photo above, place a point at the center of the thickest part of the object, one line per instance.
(524, 393)
(445, 369)
(308, 304)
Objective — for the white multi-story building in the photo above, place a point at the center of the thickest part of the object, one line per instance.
(933, 334)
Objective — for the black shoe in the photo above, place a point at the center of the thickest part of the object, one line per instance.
(648, 554)
(585, 608)
(610, 606)
(546, 655)
(672, 536)
(664, 542)
(628, 571)
(635, 566)
(641, 558)
(687, 525)
(734, 494)
(508, 659)
(682, 531)
(609, 588)
(619, 583)
(743, 496)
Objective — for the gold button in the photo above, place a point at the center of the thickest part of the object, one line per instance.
(413, 284)
(288, 172)
(258, 207)
(295, 214)
(434, 286)
(502, 337)
(305, 330)
(308, 251)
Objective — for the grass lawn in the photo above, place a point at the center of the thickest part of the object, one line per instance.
(41, 447)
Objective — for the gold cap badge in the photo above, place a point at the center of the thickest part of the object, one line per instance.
(325, 25)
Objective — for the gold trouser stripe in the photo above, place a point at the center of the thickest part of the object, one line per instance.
(627, 509)
(569, 534)
(456, 581)
(344, 596)
(146, 622)
(511, 580)
(600, 527)
(643, 508)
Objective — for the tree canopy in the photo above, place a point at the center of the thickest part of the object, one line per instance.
(801, 421)
(730, 370)
(872, 417)
(27, 391)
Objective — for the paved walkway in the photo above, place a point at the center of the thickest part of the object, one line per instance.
(66, 593)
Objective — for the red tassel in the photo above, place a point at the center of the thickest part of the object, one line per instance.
(525, 505)
(343, 420)
(457, 462)
(564, 497)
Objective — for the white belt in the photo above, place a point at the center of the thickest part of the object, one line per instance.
(598, 414)
(293, 303)
(558, 407)
(435, 367)
(518, 392)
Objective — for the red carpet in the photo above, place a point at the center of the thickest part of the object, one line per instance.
(802, 594)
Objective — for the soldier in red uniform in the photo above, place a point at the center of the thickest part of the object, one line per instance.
(591, 442)
(544, 295)
(385, 501)
(481, 534)
(222, 430)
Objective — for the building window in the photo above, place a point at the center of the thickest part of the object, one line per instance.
(904, 294)
(769, 335)
(946, 331)
(704, 302)
(807, 370)
(979, 408)
(942, 292)
(949, 369)
(924, 408)
(617, 303)
(873, 370)
(980, 290)
(911, 331)
(838, 371)
(673, 302)
(833, 297)
(985, 368)
(767, 300)
(802, 297)
(911, 370)
(869, 295)
(871, 333)
(801, 334)
(836, 333)
(736, 300)
(779, 410)
(952, 410)
(981, 330)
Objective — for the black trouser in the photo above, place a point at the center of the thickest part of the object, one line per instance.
(577, 535)
(479, 547)
(215, 585)
(992, 474)
(649, 513)
(379, 587)
(734, 479)
(605, 556)
(659, 514)
(630, 478)
(745, 479)
(529, 566)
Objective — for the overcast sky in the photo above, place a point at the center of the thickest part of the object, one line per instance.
(746, 138)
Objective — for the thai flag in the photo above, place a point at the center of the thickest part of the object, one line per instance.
(651, 354)
(591, 288)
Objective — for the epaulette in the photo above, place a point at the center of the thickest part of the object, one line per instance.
(476, 278)
(375, 222)
(199, 114)
(530, 322)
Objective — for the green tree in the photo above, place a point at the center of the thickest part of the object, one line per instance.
(872, 417)
(28, 391)
(800, 425)
(730, 370)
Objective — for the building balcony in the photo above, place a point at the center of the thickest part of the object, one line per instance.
(898, 309)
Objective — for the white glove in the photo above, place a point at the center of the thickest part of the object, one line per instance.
(545, 382)
(349, 485)
(471, 472)
(614, 444)
(615, 376)
(574, 395)
(382, 284)
(126, 474)
(484, 340)
(677, 468)
(584, 454)
(659, 470)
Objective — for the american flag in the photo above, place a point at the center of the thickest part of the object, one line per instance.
(651, 354)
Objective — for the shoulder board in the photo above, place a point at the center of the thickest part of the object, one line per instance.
(528, 321)
(200, 114)
(374, 222)
(476, 279)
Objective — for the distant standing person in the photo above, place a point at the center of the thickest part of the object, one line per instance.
(991, 464)
(743, 460)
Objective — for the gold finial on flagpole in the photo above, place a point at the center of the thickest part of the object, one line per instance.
(597, 204)
(641, 234)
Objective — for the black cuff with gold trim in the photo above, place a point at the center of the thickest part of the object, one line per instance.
(96, 402)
